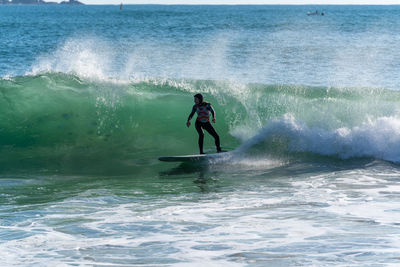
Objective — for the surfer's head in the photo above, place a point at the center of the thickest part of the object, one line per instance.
(198, 99)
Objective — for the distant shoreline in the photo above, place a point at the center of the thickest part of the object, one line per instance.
(39, 2)
(74, 2)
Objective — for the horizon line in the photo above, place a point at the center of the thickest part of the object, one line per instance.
(265, 4)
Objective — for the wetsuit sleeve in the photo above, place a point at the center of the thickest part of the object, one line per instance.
(192, 113)
(209, 107)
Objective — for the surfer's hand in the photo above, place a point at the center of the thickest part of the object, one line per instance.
(188, 123)
(213, 120)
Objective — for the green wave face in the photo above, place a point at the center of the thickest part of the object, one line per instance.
(59, 121)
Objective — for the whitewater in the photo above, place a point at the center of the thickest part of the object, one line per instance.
(308, 107)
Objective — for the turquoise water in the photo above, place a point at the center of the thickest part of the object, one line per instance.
(91, 96)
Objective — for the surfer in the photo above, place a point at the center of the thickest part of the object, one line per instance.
(203, 110)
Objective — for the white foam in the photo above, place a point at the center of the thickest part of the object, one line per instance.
(267, 221)
(378, 138)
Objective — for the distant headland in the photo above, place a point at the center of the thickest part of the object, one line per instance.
(38, 2)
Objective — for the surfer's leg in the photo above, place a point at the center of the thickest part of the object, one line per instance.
(210, 129)
(201, 136)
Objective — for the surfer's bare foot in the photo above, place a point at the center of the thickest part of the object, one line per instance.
(202, 153)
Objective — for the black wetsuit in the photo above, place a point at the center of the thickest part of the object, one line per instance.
(203, 122)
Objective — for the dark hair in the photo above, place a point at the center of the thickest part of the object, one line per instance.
(200, 97)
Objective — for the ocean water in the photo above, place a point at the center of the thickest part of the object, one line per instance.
(308, 107)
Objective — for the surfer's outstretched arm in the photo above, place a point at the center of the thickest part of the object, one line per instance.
(191, 116)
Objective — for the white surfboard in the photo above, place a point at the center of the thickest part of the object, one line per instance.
(189, 158)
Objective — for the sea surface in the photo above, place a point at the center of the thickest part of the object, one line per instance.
(308, 107)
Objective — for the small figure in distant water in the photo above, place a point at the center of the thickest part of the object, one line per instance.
(120, 6)
(313, 13)
(203, 110)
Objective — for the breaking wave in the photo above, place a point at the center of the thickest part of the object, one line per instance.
(58, 120)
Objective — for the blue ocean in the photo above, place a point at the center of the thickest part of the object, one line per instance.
(308, 107)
